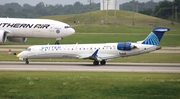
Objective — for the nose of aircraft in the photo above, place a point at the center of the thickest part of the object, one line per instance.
(70, 31)
(73, 31)
(20, 55)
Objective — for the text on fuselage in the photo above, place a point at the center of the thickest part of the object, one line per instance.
(24, 25)
(50, 48)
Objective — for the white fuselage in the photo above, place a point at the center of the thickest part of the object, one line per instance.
(83, 51)
(41, 28)
(97, 52)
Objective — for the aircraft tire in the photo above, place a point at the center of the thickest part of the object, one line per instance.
(96, 62)
(27, 62)
(57, 42)
(103, 62)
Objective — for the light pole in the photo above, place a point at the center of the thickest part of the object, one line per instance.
(115, 12)
(107, 12)
(133, 14)
(90, 1)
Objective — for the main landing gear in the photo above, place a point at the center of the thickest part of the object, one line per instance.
(27, 61)
(103, 62)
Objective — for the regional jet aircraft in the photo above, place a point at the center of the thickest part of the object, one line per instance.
(19, 29)
(100, 53)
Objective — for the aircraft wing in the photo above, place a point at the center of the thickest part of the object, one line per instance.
(97, 57)
(94, 56)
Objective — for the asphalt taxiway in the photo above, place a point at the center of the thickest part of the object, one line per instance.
(87, 66)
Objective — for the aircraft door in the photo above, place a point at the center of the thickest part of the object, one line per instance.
(52, 29)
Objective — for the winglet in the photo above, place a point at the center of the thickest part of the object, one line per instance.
(155, 36)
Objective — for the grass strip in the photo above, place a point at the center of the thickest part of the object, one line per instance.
(81, 85)
(167, 40)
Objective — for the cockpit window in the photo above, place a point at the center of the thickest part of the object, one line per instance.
(67, 27)
(28, 49)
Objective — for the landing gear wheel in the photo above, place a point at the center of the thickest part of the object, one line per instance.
(96, 62)
(103, 62)
(57, 42)
(27, 61)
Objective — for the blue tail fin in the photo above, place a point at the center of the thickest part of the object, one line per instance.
(155, 36)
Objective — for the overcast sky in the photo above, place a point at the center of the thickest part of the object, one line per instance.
(63, 2)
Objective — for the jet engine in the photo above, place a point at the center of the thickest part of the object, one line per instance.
(125, 46)
(3, 36)
(17, 39)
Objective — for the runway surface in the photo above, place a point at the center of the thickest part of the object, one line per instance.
(87, 66)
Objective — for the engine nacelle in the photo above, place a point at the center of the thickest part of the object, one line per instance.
(3, 36)
(125, 46)
(17, 39)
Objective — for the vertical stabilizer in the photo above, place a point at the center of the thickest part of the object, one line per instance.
(155, 36)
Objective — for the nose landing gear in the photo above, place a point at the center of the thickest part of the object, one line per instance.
(27, 61)
(57, 40)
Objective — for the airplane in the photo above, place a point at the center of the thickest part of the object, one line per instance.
(100, 53)
(19, 29)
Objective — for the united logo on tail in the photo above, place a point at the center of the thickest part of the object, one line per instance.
(155, 36)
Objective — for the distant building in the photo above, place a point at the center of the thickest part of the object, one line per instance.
(109, 4)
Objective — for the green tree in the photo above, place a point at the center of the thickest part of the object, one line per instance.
(138, 6)
(164, 10)
(147, 12)
(14, 6)
(10, 12)
(177, 9)
(16, 10)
